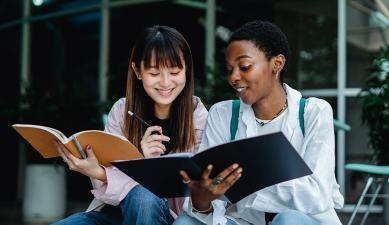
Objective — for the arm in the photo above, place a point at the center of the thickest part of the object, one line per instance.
(216, 132)
(117, 184)
(314, 193)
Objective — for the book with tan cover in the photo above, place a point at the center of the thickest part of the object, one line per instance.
(106, 146)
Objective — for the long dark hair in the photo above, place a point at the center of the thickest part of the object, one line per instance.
(170, 50)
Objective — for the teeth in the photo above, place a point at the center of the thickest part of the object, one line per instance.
(164, 92)
(239, 89)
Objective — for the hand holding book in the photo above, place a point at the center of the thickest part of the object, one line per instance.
(106, 146)
(206, 190)
(89, 166)
(266, 160)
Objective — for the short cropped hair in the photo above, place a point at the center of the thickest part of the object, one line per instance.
(268, 38)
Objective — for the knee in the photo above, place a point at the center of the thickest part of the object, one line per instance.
(140, 197)
(185, 219)
(291, 217)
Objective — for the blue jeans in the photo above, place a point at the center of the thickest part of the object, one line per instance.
(185, 219)
(140, 207)
(291, 217)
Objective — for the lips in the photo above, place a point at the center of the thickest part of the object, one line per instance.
(241, 90)
(165, 92)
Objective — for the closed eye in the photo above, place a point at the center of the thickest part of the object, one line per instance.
(245, 68)
(175, 73)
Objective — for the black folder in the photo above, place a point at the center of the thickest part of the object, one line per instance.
(266, 160)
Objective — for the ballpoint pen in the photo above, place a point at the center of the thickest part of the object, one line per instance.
(140, 119)
(79, 148)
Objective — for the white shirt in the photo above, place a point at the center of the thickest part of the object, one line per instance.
(316, 195)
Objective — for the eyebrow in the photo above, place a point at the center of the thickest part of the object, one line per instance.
(242, 57)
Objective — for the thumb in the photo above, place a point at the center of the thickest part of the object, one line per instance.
(90, 152)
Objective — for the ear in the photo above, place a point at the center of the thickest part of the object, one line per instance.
(136, 71)
(278, 63)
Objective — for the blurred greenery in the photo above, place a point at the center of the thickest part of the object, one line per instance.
(375, 114)
(53, 108)
(217, 90)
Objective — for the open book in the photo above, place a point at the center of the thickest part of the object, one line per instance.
(266, 160)
(106, 146)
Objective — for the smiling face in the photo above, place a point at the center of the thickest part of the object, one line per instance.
(250, 73)
(163, 84)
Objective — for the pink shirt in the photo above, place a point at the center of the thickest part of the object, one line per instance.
(119, 184)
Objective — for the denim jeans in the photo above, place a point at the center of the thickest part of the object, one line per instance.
(185, 219)
(139, 207)
(291, 217)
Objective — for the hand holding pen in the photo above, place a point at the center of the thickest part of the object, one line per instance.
(151, 143)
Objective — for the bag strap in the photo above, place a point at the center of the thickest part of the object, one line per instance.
(234, 118)
(301, 114)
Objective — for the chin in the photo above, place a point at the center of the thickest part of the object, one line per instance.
(165, 100)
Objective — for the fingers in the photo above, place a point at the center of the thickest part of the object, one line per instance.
(156, 137)
(225, 179)
(207, 172)
(155, 144)
(185, 177)
(153, 149)
(154, 152)
(62, 150)
(151, 129)
(232, 178)
(226, 172)
(151, 144)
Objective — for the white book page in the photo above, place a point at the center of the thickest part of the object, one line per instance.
(51, 130)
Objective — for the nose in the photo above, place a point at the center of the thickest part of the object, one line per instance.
(234, 76)
(165, 79)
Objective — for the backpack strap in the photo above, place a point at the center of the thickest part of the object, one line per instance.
(301, 114)
(234, 118)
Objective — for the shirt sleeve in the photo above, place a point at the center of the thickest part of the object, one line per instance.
(118, 184)
(318, 151)
(214, 134)
(217, 217)
(216, 126)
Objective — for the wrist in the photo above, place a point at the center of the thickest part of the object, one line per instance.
(207, 209)
(100, 174)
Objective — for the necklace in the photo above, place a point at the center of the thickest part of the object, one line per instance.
(283, 109)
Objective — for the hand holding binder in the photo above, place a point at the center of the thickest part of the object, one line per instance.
(266, 160)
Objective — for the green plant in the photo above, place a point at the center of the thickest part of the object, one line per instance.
(375, 106)
(217, 89)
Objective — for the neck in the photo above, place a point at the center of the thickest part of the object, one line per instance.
(269, 106)
(162, 111)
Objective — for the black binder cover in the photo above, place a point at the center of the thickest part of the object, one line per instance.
(266, 160)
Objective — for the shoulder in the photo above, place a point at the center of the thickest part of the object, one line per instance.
(318, 110)
(317, 105)
(117, 110)
(119, 104)
(200, 113)
(223, 107)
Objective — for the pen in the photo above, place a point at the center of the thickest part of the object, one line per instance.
(79, 148)
(140, 119)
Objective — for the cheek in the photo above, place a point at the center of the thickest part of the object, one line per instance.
(147, 82)
(180, 80)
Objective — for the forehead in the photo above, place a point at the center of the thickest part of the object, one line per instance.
(243, 49)
(163, 59)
